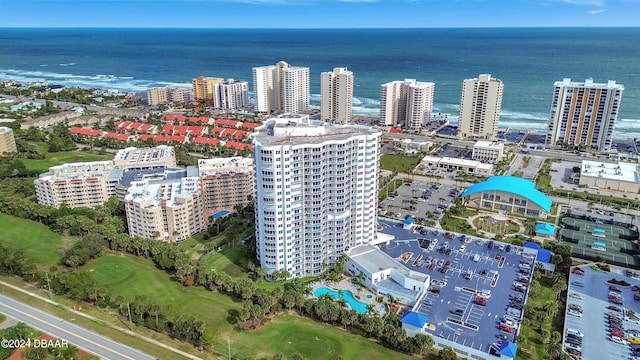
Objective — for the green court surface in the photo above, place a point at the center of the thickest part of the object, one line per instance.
(599, 241)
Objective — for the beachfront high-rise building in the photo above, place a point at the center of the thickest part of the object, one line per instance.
(316, 192)
(226, 182)
(480, 106)
(336, 91)
(584, 113)
(7, 141)
(165, 95)
(407, 103)
(281, 88)
(229, 95)
(204, 88)
(233, 96)
(171, 210)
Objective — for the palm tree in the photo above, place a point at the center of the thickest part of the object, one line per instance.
(551, 307)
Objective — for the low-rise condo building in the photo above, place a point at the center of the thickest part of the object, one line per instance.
(226, 182)
(165, 210)
(7, 141)
(91, 184)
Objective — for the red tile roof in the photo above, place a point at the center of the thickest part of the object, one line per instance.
(395, 130)
(216, 130)
(112, 135)
(173, 118)
(160, 138)
(167, 129)
(226, 122)
(200, 119)
(204, 140)
(85, 131)
(197, 130)
(250, 125)
(146, 137)
(178, 138)
(237, 145)
(180, 130)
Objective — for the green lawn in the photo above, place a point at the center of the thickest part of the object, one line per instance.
(53, 159)
(38, 242)
(130, 276)
(399, 163)
(290, 334)
(2, 318)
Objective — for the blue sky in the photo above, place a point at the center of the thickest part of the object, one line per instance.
(317, 13)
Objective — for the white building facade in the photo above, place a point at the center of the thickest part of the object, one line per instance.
(165, 210)
(584, 113)
(336, 91)
(480, 106)
(407, 103)
(316, 192)
(488, 151)
(281, 88)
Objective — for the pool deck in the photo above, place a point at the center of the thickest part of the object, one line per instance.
(346, 284)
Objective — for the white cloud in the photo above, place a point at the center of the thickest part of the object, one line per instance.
(584, 2)
(597, 11)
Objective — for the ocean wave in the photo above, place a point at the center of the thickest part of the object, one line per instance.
(522, 115)
(110, 81)
(367, 111)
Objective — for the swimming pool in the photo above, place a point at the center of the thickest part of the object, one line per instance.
(347, 295)
(220, 214)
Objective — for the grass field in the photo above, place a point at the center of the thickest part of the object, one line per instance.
(38, 242)
(53, 159)
(399, 163)
(130, 276)
(533, 342)
(2, 318)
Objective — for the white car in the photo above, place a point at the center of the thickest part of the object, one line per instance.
(463, 248)
(576, 296)
(571, 346)
(617, 340)
(575, 333)
(574, 313)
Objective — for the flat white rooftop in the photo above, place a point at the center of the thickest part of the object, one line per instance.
(622, 171)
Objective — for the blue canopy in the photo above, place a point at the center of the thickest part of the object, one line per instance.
(414, 319)
(545, 229)
(507, 348)
(409, 221)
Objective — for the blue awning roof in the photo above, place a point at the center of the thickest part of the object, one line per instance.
(545, 229)
(507, 348)
(514, 185)
(409, 221)
(414, 319)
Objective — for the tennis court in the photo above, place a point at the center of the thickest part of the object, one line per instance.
(591, 240)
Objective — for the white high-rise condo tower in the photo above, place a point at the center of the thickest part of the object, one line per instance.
(336, 91)
(480, 106)
(316, 192)
(281, 88)
(584, 113)
(407, 103)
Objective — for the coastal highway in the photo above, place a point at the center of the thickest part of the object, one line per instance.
(96, 344)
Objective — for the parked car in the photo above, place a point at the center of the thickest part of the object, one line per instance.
(577, 271)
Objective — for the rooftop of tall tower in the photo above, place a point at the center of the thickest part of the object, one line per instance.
(300, 129)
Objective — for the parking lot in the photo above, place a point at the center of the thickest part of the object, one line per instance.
(604, 313)
(478, 287)
(449, 150)
(417, 198)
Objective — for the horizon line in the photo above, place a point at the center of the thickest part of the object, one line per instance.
(327, 28)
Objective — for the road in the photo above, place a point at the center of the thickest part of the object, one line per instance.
(96, 344)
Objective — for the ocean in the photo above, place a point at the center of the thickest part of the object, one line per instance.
(527, 60)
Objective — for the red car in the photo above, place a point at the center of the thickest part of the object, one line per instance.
(447, 264)
(506, 328)
(498, 256)
(577, 271)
